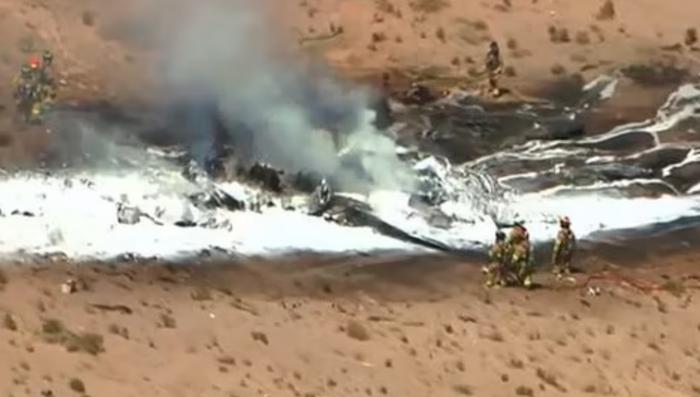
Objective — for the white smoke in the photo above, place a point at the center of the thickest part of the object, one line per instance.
(288, 114)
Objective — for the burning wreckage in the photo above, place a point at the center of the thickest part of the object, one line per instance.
(221, 176)
(260, 186)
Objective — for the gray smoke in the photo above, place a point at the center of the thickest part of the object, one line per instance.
(288, 114)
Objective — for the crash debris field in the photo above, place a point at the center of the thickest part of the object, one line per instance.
(166, 232)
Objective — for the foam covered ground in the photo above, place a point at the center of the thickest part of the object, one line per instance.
(75, 212)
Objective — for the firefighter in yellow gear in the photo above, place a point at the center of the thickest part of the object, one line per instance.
(27, 94)
(34, 88)
(521, 257)
(499, 257)
(563, 250)
(46, 79)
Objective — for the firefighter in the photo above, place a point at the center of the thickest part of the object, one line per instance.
(563, 250)
(46, 77)
(494, 68)
(521, 258)
(27, 94)
(496, 271)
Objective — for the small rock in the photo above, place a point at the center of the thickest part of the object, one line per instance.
(70, 286)
(593, 291)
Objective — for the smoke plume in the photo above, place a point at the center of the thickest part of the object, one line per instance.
(280, 110)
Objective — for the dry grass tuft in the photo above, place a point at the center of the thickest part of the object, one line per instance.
(88, 18)
(201, 294)
(558, 69)
(55, 332)
(558, 35)
(357, 331)
(429, 6)
(77, 385)
(583, 38)
(440, 34)
(3, 280)
(606, 11)
(9, 322)
(167, 321)
(463, 390)
(691, 37)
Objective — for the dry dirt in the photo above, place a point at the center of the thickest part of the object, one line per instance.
(107, 49)
(541, 40)
(359, 327)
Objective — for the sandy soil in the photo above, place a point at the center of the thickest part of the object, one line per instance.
(107, 49)
(358, 327)
(436, 37)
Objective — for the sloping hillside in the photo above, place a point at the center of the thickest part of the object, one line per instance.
(105, 47)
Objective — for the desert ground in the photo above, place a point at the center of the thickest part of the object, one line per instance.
(628, 325)
(110, 51)
(419, 326)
